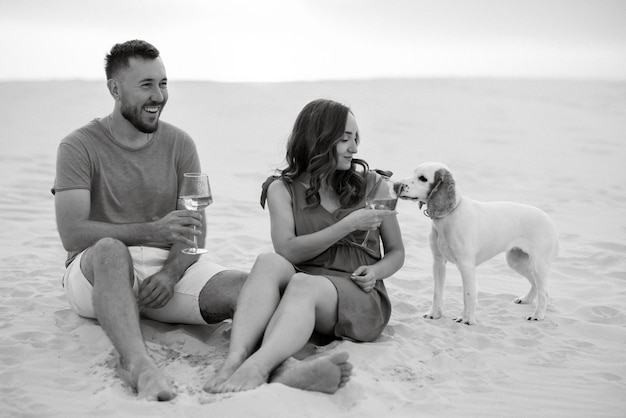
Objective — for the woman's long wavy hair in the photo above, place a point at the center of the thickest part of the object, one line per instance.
(311, 149)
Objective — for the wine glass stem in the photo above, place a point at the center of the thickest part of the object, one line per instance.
(195, 241)
(366, 237)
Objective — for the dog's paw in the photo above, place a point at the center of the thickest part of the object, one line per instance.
(534, 317)
(520, 301)
(466, 321)
(433, 314)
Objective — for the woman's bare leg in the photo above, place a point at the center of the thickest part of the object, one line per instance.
(257, 302)
(309, 302)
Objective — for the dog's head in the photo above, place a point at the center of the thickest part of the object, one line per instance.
(433, 184)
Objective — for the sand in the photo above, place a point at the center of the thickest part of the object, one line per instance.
(558, 145)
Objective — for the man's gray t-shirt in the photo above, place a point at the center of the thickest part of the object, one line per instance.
(127, 185)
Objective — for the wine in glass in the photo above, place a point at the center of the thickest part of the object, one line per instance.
(195, 194)
(384, 196)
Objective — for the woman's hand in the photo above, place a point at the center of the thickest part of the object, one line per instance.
(367, 219)
(364, 277)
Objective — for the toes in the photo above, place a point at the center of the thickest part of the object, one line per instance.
(461, 320)
(340, 358)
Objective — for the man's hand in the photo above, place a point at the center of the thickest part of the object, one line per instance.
(178, 226)
(156, 290)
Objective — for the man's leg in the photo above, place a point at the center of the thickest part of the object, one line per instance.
(218, 297)
(108, 266)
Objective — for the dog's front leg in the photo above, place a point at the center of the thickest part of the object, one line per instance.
(468, 276)
(439, 277)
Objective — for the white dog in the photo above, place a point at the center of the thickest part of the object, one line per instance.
(467, 232)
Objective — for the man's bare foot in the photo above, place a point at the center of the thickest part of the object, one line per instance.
(230, 366)
(320, 373)
(149, 382)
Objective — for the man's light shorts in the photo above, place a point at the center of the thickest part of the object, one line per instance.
(183, 308)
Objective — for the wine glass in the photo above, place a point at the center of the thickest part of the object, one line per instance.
(383, 196)
(195, 194)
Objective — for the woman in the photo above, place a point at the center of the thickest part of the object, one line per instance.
(321, 277)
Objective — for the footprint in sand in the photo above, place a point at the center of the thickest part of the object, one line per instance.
(603, 314)
(36, 339)
(67, 320)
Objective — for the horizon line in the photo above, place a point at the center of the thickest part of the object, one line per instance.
(339, 79)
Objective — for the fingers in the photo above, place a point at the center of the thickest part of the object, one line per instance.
(182, 238)
(365, 281)
(153, 296)
(185, 224)
(359, 271)
(385, 212)
(189, 217)
(378, 215)
(154, 301)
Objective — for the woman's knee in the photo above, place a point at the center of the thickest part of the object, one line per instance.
(271, 267)
(306, 285)
(271, 260)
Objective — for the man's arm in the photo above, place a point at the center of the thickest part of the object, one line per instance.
(157, 290)
(78, 232)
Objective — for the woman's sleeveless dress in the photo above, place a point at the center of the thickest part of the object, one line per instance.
(361, 316)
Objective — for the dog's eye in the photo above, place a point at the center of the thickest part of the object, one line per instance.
(422, 179)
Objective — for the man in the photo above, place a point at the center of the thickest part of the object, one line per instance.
(116, 194)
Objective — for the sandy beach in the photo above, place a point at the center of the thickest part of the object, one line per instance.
(558, 145)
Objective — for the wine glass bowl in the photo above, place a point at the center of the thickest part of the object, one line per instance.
(384, 196)
(195, 194)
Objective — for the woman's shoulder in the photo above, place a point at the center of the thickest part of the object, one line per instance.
(273, 183)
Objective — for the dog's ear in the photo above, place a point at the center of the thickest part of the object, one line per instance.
(442, 196)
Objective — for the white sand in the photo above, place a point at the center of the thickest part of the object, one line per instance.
(556, 145)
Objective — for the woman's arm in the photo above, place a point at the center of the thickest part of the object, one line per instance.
(393, 246)
(366, 276)
(298, 249)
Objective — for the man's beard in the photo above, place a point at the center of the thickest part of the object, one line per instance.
(133, 115)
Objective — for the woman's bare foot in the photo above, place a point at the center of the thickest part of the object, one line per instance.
(149, 382)
(246, 377)
(321, 373)
(230, 366)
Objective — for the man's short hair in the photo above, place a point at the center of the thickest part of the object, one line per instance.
(118, 58)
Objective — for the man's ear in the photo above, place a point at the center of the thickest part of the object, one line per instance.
(114, 88)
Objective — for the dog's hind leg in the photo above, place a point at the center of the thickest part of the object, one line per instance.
(536, 271)
(541, 267)
(519, 261)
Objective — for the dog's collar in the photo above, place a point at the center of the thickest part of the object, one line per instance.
(445, 214)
